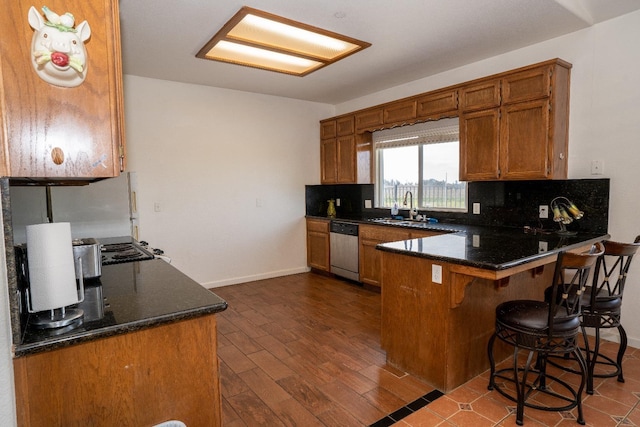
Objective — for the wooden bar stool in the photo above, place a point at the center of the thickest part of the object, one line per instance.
(545, 328)
(602, 306)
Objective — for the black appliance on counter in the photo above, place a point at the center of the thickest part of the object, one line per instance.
(120, 252)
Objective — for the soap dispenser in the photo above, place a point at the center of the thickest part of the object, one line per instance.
(331, 210)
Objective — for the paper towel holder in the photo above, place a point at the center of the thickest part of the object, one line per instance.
(60, 316)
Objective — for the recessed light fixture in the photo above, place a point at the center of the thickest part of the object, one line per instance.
(262, 40)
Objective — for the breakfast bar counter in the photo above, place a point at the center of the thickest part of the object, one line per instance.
(439, 295)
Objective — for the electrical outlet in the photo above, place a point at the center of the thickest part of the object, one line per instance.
(436, 273)
(338, 202)
(156, 207)
(597, 167)
(476, 208)
(475, 241)
(367, 204)
(542, 247)
(543, 211)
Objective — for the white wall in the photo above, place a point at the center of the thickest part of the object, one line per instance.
(208, 158)
(604, 123)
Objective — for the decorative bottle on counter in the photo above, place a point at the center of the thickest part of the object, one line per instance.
(331, 210)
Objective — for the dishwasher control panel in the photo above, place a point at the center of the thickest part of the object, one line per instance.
(347, 228)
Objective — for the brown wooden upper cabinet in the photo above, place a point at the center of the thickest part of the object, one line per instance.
(344, 160)
(516, 127)
(369, 119)
(400, 112)
(437, 105)
(52, 132)
(513, 126)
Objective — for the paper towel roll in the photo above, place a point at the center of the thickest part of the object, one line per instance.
(52, 277)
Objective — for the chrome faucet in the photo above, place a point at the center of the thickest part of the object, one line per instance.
(404, 203)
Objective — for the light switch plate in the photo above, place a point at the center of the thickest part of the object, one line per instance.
(476, 208)
(367, 204)
(543, 211)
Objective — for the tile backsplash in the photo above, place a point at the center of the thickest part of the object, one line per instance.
(502, 203)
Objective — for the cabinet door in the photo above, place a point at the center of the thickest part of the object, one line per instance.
(346, 165)
(370, 262)
(524, 140)
(434, 105)
(328, 129)
(401, 111)
(371, 258)
(526, 85)
(328, 161)
(318, 244)
(345, 126)
(62, 132)
(369, 119)
(480, 96)
(479, 145)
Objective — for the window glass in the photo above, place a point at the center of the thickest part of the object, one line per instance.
(429, 171)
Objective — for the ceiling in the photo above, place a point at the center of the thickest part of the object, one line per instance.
(411, 39)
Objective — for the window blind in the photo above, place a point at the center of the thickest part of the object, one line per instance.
(444, 130)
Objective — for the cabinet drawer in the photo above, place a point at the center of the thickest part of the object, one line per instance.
(400, 111)
(345, 126)
(328, 129)
(424, 233)
(526, 85)
(319, 225)
(382, 234)
(480, 96)
(438, 103)
(369, 119)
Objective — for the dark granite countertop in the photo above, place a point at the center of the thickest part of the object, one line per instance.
(128, 297)
(492, 248)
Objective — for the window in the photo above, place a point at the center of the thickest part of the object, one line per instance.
(423, 159)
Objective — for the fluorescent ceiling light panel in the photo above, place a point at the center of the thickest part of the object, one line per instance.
(263, 40)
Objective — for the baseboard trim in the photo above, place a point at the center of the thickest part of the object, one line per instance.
(253, 278)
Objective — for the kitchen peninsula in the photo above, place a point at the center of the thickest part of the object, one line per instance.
(439, 295)
(144, 354)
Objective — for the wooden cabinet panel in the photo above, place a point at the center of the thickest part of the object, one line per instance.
(346, 165)
(479, 145)
(480, 96)
(345, 126)
(400, 112)
(139, 378)
(328, 161)
(524, 140)
(318, 244)
(434, 105)
(328, 129)
(54, 132)
(369, 119)
(526, 85)
(370, 258)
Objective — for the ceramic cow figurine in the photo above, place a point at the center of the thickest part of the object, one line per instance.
(58, 53)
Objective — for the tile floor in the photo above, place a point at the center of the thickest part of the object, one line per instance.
(304, 350)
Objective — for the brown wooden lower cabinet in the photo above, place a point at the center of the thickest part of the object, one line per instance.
(318, 244)
(370, 258)
(141, 378)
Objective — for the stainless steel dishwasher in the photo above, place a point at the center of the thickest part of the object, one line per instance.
(344, 249)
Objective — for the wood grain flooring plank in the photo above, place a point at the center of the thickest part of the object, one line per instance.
(253, 411)
(306, 393)
(270, 365)
(230, 383)
(235, 359)
(264, 386)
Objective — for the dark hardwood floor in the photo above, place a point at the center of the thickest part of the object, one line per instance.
(304, 350)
